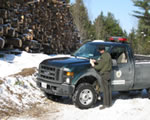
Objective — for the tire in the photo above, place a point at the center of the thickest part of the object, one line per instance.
(52, 97)
(85, 96)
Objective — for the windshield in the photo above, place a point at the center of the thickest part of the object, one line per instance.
(89, 51)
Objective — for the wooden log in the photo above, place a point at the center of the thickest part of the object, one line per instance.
(28, 36)
(1, 21)
(31, 46)
(31, 1)
(3, 13)
(47, 48)
(16, 42)
(2, 42)
(48, 20)
(1, 31)
(11, 32)
(6, 27)
(34, 44)
(15, 22)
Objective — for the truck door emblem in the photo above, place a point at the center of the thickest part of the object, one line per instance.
(118, 74)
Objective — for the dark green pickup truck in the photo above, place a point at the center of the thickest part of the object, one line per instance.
(73, 75)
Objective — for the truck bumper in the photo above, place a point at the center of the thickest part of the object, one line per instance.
(56, 89)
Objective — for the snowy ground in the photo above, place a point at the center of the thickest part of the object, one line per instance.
(18, 92)
(18, 89)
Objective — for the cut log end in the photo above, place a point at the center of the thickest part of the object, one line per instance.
(2, 42)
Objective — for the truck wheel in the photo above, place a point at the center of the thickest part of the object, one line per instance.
(52, 97)
(85, 96)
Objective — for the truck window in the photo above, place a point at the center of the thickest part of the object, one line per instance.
(89, 51)
(119, 54)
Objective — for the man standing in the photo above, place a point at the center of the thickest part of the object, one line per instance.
(104, 67)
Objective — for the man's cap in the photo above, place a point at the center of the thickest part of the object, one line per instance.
(101, 47)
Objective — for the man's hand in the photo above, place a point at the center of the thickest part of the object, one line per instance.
(92, 61)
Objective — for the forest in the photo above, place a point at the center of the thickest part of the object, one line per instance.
(105, 26)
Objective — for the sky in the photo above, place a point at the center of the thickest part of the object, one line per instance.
(121, 9)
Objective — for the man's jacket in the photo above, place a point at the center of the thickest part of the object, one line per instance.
(104, 64)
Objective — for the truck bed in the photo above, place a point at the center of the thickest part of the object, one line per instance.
(142, 67)
(142, 59)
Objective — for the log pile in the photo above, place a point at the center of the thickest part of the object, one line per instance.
(37, 25)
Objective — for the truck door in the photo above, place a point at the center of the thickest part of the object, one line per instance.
(123, 72)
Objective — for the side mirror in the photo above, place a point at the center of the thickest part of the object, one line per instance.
(114, 62)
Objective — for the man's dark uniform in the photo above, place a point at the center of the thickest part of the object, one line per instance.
(104, 66)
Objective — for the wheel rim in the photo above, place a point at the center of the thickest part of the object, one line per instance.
(86, 97)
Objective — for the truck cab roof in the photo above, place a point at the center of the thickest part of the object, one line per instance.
(108, 43)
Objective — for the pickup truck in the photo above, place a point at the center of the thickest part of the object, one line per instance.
(74, 77)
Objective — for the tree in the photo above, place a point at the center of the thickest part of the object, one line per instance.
(112, 26)
(103, 27)
(106, 26)
(133, 41)
(143, 31)
(67, 1)
(99, 25)
(81, 19)
(144, 5)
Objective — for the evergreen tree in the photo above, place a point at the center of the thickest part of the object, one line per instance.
(67, 1)
(143, 38)
(106, 26)
(144, 5)
(133, 41)
(81, 19)
(143, 31)
(112, 26)
(103, 27)
(99, 25)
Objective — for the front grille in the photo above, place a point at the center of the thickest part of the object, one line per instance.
(49, 73)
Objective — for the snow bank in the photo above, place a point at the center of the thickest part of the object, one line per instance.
(17, 92)
(12, 64)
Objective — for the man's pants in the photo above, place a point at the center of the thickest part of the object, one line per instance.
(107, 93)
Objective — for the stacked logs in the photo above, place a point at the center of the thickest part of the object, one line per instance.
(37, 25)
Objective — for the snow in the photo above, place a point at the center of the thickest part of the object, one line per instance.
(16, 91)
(20, 92)
(123, 108)
(17, 63)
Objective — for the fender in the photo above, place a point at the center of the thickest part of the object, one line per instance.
(90, 72)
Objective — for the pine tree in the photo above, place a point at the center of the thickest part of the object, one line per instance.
(144, 5)
(133, 41)
(106, 26)
(112, 26)
(81, 19)
(99, 25)
(143, 31)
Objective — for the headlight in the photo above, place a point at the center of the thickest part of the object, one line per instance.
(70, 74)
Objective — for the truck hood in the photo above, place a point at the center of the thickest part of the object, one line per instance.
(65, 61)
